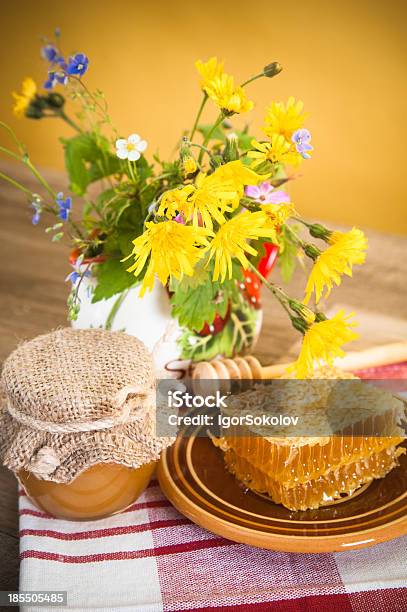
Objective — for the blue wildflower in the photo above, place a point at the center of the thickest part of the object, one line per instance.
(301, 138)
(78, 64)
(77, 273)
(51, 80)
(74, 276)
(61, 77)
(64, 206)
(62, 63)
(36, 217)
(36, 204)
(50, 53)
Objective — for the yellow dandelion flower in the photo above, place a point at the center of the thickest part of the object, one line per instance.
(211, 197)
(345, 251)
(209, 71)
(240, 174)
(230, 242)
(176, 201)
(214, 196)
(284, 119)
(229, 99)
(278, 214)
(322, 343)
(207, 201)
(352, 244)
(173, 250)
(278, 151)
(23, 99)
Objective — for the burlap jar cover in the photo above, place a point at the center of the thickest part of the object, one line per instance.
(75, 398)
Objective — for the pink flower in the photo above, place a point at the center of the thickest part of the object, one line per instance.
(179, 219)
(266, 194)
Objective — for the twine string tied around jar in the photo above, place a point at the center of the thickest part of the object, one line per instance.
(127, 400)
(131, 401)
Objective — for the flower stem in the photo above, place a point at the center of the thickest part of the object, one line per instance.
(204, 100)
(278, 293)
(27, 161)
(253, 78)
(294, 235)
(24, 158)
(132, 171)
(10, 153)
(13, 136)
(81, 279)
(90, 94)
(301, 221)
(115, 308)
(201, 147)
(209, 134)
(68, 120)
(15, 184)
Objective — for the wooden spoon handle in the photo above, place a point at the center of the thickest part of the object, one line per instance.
(357, 360)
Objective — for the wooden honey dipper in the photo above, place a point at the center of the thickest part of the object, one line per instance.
(249, 368)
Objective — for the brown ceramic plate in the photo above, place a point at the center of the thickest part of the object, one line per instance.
(193, 477)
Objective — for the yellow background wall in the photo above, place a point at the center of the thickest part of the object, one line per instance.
(345, 59)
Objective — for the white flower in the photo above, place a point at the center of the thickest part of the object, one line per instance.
(130, 148)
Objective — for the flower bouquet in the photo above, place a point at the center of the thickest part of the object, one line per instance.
(199, 233)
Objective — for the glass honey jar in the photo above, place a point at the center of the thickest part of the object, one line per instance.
(101, 490)
(77, 425)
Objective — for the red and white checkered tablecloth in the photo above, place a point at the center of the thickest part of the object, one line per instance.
(150, 558)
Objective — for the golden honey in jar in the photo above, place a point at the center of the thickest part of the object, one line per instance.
(77, 425)
(101, 490)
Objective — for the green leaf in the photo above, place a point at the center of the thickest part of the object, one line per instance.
(112, 278)
(287, 257)
(244, 141)
(88, 159)
(200, 349)
(195, 306)
(130, 226)
(103, 199)
(236, 336)
(144, 169)
(148, 194)
(125, 241)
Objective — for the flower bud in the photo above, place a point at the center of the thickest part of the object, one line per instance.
(319, 231)
(231, 151)
(189, 165)
(216, 161)
(55, 100)
(299, 324)
(34, 111)
(272, 69)
(312, 251)
(305, 313)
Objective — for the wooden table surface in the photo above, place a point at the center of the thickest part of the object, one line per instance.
(33, 301)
